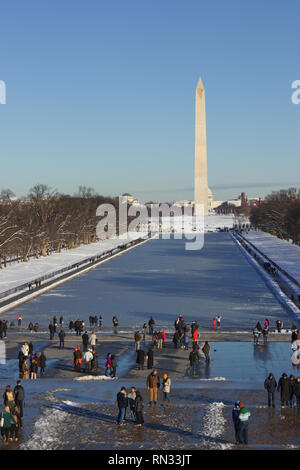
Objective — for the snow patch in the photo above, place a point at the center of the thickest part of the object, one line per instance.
(214, 424)
(88, 378)
(46, 432)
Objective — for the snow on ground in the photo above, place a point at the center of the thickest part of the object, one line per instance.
(191, 224)
(214, 425)
(283, 253)
(271, 283)
(24, 272)
(89, 378)
(46, 432)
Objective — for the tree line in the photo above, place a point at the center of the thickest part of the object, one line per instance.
(46, 221)
(279, 214)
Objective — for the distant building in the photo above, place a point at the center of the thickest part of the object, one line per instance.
(130, 199)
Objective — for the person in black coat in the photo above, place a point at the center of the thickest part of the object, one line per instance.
(19, 399)
(42, 361)
(85, 341)
(113, 365)
(51, 330)
(297, 391)
(139, 409)
(21, 358)
(122, 401)
(150, 358)
(284, 389)
(292, 382)
(270, 385)
(151, 324)
(140, 358)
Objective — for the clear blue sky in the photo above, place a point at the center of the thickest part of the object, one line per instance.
(101, 93)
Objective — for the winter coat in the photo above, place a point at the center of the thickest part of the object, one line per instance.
(34, 366)
(297, 389)
(93, 339)
(153, 381)
(113, 361)
(193, 358)
(244, 415)
(283, 388)
(85, 338)
(122, 400)
(137, 337)
(131, 400)
(25, 349)
(206, 348)
(167, 385)
(42, 360)
(139, 404)
(150, 359)
(88, 356)
(270, 384)
(108, 362)
(8, 397)
(78, 354)
(8, 417)
(235, 414)
(140, 356)
(19, 393)
(291, 387)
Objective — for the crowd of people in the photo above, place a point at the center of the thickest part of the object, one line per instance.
(30, 362)
(288, 388)
(85, 358)
(12, 414)
(134, 400)
(181, 339)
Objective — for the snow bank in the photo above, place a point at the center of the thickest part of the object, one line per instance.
(284, 300)
(89, 378)
(282, 252)
(214, 425)
(21, 273)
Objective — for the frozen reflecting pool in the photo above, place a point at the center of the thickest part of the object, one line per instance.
(162, 279)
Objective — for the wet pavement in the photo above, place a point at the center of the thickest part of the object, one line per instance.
(64, 413)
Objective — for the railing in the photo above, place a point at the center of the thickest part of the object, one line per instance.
(291, 278)
(68, 269)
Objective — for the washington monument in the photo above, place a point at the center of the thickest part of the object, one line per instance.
(201, 188)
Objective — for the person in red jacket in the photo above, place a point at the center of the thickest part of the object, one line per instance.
(214, 323)
(164, 337)
(196, 336)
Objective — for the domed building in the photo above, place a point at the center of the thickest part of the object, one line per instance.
(129, 197)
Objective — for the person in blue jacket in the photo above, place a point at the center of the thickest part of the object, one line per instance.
(235, 418)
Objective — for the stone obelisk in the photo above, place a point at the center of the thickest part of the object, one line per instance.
(201, 187)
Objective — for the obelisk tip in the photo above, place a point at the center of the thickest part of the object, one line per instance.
(200, 84)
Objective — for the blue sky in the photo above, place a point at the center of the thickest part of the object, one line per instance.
(102, 94)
